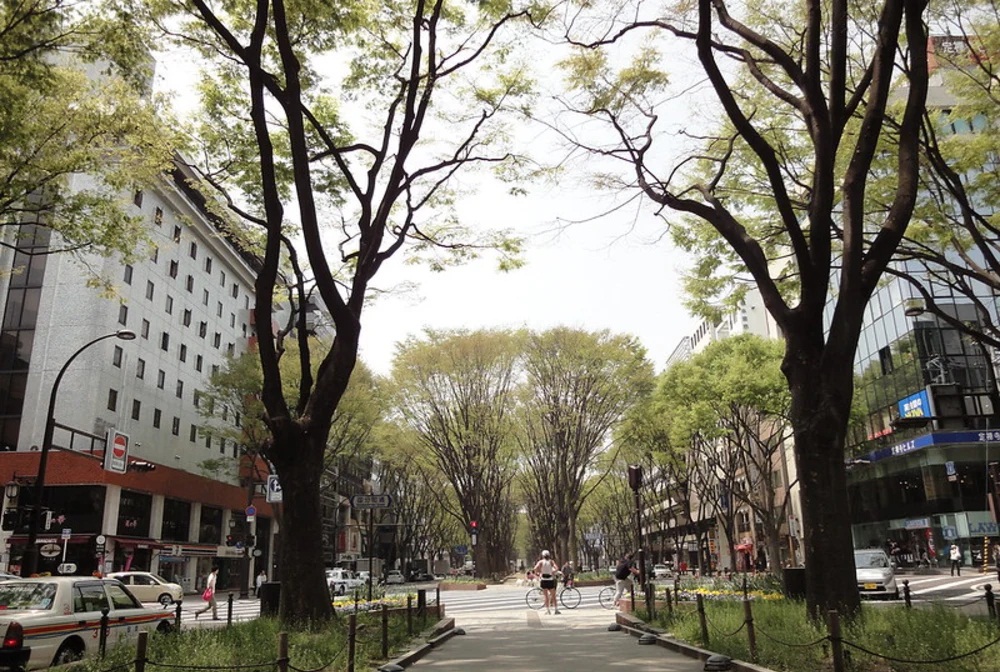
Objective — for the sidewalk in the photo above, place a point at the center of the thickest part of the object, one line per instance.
(529, 641)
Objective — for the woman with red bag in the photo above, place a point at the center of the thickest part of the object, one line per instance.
(209, 596)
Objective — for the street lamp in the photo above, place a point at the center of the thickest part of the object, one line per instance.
(30, 564)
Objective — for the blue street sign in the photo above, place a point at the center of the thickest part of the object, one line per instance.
(251, 511)
(461, 550)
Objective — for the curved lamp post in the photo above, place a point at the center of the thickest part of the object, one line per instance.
(30, 563)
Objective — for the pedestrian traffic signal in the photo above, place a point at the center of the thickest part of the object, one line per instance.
(11, 518)
(473, 526)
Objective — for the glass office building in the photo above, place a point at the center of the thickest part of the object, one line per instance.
(923, 488)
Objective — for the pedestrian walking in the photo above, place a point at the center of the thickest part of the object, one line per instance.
(546, 569)
(955, 553)
(261, 580)
(209, 596)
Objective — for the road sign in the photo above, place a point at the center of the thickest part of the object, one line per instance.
(66, 534)
(116, 455)
(371, 501)
(49, 550)
(101, 539)
(66, 568)
(251, 511)
(273, 489)
(257, 552)
(461, 549)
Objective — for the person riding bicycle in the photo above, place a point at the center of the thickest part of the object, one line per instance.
(567, 574)
(546, 568)
(623, 576)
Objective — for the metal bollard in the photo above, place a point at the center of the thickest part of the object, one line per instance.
(229, 610)
(409, 614)
(352, 637)
(102, 641)
(991, 608)
(751, 633)
(836, 642)
(437, 601)
(177, 618)
(702, 620)
(282, 652)
(140, 652)
(422, 602)
(906, 593)
(670, 604)
(385, 630)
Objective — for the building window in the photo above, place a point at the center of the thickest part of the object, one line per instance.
(246, 302)
(140, 369)
(232, 320)
(174, 266)
(204, 297)
(196, 399)
(189, 284)
(136, 409)
(194, 433)
(208, 264)
(150, 288)
(112, 400)
(193, 250)
(154, 256)
(156, 418)
(158, 217)
(198, 362)
(170, 305)
(137, 197)
(164, 341)
(183, 353)
(236, 291)
(123, 315)
(144, 331)
(128, 274)
(116, 357)
(179, 390)
(230, 349)
(175, 426)
(208, 441)
(187, 317)
(222, 446)
(161, 378)
(215, 369)
(222, 278)
(177, 234)
(218, 309)
(202, 329)
(217, 340)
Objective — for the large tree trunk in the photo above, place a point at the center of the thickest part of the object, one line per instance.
(820, 405)
(305, 595)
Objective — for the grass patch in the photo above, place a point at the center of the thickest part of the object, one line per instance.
(256, 642)
(784, 635)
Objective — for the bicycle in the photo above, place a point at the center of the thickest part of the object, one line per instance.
(607, 597)
(568, 596)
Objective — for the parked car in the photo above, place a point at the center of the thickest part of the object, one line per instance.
(876, 573)
(55, 620)
(422, 576)
(149, 587)
(394, 576)
(342, 581)
(661, 571)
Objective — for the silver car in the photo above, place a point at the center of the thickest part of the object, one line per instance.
(876, 574)
(149, 587)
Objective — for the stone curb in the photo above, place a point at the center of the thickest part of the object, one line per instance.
(442, 631)
(636, 628)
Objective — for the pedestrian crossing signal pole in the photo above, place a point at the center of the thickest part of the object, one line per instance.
(474, 539)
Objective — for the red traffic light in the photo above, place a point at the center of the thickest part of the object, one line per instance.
(473, 524)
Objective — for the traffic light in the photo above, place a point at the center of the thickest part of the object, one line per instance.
(230, 540)
(11, 518)
(473, 526)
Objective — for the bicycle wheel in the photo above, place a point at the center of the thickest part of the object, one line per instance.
(570, 598)
(535, 599)
(607, 597)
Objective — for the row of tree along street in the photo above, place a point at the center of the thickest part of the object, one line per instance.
(826, 151)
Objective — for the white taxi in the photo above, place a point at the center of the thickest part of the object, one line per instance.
(53, 620)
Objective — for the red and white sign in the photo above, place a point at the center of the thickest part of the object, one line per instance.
(116, 455)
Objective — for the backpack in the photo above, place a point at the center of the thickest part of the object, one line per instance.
(623, 571)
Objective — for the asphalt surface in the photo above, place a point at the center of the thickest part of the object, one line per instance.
(531, 641)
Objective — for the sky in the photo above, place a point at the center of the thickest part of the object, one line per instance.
(617, 272)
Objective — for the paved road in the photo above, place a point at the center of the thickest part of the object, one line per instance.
(503, 634)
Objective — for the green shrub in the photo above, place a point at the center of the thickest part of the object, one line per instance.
(783, 631)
